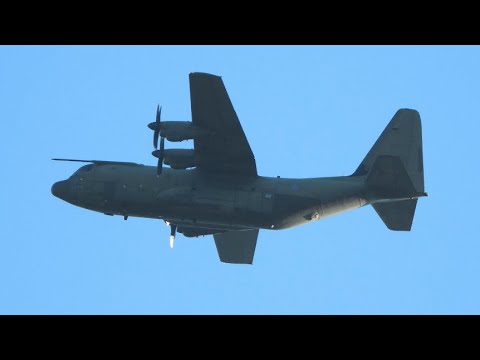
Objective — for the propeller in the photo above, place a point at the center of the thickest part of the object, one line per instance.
(173, 230)
(156, 127)
(160, 156)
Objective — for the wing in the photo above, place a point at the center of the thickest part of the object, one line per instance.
(236, 247)
(225, 149)
(101, 162)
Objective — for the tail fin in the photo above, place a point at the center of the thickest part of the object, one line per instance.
(403, 138)
(394, 169)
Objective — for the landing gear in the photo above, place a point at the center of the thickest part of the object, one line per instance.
(173, 230)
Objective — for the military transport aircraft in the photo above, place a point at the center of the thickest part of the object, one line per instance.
(214, 188)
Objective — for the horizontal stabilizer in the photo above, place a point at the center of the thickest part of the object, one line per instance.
(397, 215)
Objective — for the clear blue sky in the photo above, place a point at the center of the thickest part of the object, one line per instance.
(307, 111)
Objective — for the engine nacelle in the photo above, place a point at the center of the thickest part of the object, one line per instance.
(179, 130)
(195, 232)
(180, 158)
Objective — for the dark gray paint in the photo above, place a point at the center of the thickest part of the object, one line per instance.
(225, 197)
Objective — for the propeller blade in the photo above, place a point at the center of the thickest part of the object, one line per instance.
(155, 139)
(173, 230)
(157, 127)
(162, 145)
(160, 156)
(159, 112)
(159, 167)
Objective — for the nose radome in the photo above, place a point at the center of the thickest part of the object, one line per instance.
(60, 189)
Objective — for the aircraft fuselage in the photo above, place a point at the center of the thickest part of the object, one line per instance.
(224, 196)
(192, 198)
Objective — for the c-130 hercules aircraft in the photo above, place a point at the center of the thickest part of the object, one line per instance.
(224, 196)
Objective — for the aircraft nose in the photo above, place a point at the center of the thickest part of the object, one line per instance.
(60, 189)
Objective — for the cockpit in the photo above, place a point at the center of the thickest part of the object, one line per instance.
(83, 169)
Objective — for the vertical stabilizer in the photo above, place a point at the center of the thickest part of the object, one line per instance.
(394, 170)
(403, 138)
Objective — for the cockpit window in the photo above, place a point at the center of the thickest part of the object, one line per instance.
(84, 169)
